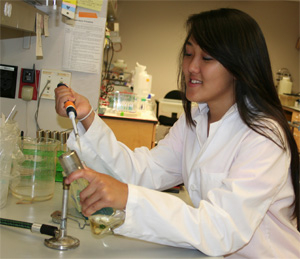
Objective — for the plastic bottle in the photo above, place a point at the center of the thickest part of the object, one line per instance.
(143, 104)
(149, 105)
(285, 86)
(142, 81)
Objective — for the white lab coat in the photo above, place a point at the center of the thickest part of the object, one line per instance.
(238, 181)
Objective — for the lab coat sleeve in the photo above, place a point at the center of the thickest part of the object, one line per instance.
(101, 151)
(227, 219)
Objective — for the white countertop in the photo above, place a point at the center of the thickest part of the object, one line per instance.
(22, 243)
(140, 115)
(292, 107)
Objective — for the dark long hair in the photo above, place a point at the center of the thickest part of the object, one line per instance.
(235, 39)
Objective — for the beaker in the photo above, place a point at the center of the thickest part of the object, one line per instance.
(34, 176)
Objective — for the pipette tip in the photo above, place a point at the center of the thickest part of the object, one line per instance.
(10, 113)
(78, 141)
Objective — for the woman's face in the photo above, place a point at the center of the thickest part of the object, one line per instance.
(207, 81)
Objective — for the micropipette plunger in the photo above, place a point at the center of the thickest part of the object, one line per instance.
(72, 114)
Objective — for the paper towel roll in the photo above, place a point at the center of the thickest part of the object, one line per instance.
(285, 86)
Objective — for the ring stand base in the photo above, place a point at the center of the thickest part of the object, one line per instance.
(62, 243)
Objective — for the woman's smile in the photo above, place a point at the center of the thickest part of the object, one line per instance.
(195, 82)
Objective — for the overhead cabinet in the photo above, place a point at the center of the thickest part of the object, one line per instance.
(17, 18)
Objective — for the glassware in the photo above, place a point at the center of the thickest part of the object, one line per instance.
(34, 175)
(103, 220)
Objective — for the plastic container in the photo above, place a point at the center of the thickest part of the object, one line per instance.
(122, 102)
(285, 86)
(288, 100)
(106, 220)
(9, 134)
(4, 184)
(142, 82)
(150, 104)
(34, 176)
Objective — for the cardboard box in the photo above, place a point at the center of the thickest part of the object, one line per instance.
(288, 100)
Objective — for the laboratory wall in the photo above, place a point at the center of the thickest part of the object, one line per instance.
(152, 33)
(13, 53)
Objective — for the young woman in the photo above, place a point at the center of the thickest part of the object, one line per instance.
(235, 153)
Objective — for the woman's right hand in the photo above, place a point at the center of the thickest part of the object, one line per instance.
(63, 94)
(83, 106)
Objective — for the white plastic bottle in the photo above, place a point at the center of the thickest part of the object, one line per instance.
(285, 86)
(142, 81)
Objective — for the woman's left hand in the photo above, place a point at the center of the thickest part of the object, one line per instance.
(102, 191)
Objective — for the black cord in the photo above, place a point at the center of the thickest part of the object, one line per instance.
(106, 88)
(112, 54)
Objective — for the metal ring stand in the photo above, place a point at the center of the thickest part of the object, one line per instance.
(62, 241)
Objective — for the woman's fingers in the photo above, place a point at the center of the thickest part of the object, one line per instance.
(92, 204)
(62, 94)
(102, 191)
(76, 175)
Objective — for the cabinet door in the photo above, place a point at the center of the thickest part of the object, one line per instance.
(133, 133)
(17, 17)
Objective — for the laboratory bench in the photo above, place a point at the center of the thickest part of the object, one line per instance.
(292, 114)
(132, 130)
(22, 243)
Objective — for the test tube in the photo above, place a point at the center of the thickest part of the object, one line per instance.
(47, 134)
(40, 133)
(63, 140)
(54, 134)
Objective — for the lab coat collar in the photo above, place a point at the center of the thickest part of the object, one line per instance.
(203, 109)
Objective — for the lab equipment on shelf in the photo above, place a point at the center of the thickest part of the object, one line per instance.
(142, 81)
(126, 104)
(284, 81)
(119, 102)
